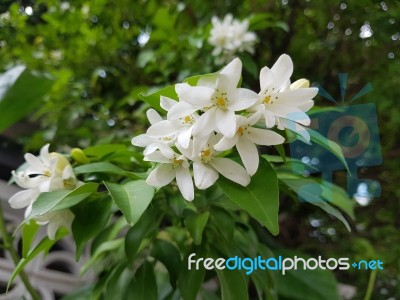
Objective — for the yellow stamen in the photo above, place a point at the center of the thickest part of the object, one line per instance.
(267, 99)
(240, 131)
(206, 155)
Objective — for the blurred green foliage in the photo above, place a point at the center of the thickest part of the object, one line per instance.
(104, 53)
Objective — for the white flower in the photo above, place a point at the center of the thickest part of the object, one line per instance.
(246, 139)
(153, 143)
(207, 165)
(280, 104)
(172, 165)
(219, 99)
(230, 36)
(55, 220)
(181, 127)
(45, 173)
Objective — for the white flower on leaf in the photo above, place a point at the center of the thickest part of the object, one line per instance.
(172, 166)
(44, 173)
(55, 220)
(219, 99)
(246, 139)
(181, 127)
(282, 104)
(151, 143)
(207, 165)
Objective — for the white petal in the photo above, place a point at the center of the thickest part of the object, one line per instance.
(180, 110)
(150, 148)
(153, 116)
(306, 106)
(163, 129)
(231, 170)
(291, 113)
(297, 97)
(157, 156)
(226, 122)
(166, 103)
(185, 183)
(208, 81)
(23, 198)
(34, 162)
(226, 143)
(282, 70)
(302, 131)
(205, 124)
(142, 140)
(249, 155)
(184, 137)
(242, 99)
(230, 75)
(160, 176)
(199, 96)
(266, 79)
(204, 175)
(264, 137)
(269, 118)
(44, 154)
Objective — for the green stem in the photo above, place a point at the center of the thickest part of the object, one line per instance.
(8, 245)
(371, 283)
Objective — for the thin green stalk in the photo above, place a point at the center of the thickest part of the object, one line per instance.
(371, 283)
(8, 245)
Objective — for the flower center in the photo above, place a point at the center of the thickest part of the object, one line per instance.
(240, 131)
(188, 120)
(267, 99)
(176, 162)
(221, 101)
(69, 183)
(206, 155)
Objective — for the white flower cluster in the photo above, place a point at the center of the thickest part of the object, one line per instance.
(216, 115)
(45, 173)
(231, 36)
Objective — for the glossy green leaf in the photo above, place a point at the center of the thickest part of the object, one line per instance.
(132, 198)
(260, 198)
(153, 99)
(196, 223)
(233, 284)
(21, 92)
(143, 285)
(90, 218)
(168, 254)
(29, 231)
(99, 167)
(100, 151)
(60, 199)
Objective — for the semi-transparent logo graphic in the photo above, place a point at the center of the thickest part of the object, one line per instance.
(354, 127)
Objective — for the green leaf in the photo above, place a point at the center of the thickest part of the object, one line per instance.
(99, 167)
(43, 246)
(132, 198)
(28, 235)
(233, 284)
(108, 234)
(196, 223)
(90, 218)
(137, 233)
(333, 147)
(20, 97)
(189, 281)
(260, 198)
(100, 151)
(143, 284)
(60, 199)
(153, 99)
(167, 254)
(118, 284)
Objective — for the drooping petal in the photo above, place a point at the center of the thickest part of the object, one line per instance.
(185, 183)
(208, 81)
(297, 97)
(249, 155)
(199, 96)
(153, 116)
(226, 143)
(161, 176)
(150, 148)
(205, 124)
(290, 113)
(241, 99)
(157, 156)
(166, 103)
(266, 79)
(180, 110)
(231, 170)
(302, 131)
(226, 122)
(23, 198)
(269, 118)
(264, 137)
(184, 137)
(142, 140)
(204, 175)
(282, 70)
(306, 106)
(163, 129)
